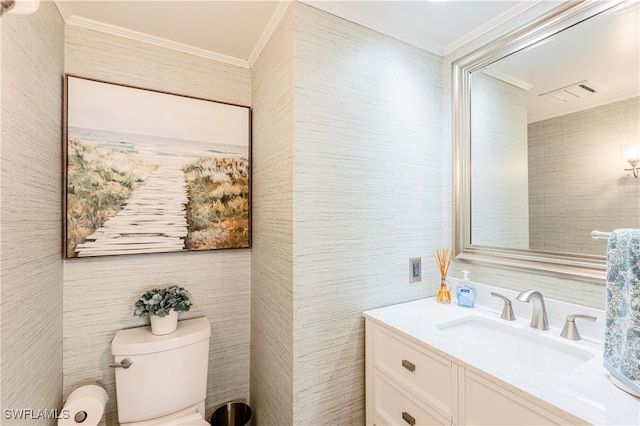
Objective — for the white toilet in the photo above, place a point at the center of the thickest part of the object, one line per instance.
(166, 381)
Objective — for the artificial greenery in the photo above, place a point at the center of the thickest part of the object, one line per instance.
(161, 301)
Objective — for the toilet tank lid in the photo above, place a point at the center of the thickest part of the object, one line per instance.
(139, 340)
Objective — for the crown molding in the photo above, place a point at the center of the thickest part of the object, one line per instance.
(157, 41)
(283, 5)
(496, 22)
(591, 105)
(524, 85)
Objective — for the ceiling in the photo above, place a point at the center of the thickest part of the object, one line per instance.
(237, 30)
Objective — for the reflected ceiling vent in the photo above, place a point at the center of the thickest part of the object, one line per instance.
(572, 92)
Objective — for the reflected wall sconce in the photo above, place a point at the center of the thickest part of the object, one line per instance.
(19, 7)
(633, 158)
(634, 167)
(6, 5)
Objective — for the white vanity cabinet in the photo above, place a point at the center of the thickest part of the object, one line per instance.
(409, 384)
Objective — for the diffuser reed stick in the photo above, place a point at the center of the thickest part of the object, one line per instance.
(443, 258)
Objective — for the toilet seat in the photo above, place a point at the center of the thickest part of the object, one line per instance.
(194, 419)
(188, 417)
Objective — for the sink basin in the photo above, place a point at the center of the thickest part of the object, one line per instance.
(526, 348)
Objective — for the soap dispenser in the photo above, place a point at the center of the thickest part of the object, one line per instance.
(466, 292)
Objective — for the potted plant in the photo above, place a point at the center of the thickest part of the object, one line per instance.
(163, 305)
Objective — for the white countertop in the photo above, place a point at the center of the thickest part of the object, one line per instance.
(584, 392)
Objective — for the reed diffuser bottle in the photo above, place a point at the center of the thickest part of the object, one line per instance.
(443, 258)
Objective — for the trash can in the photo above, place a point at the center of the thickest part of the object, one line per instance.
(231, 414)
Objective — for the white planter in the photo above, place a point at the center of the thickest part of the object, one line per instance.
(164, 325)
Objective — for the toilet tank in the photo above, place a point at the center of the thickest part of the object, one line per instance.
(168, 373)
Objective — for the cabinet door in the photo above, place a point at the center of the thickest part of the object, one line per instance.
(394, 407)
(429, 377)
(485, 403)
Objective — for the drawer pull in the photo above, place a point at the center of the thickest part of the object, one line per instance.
(408, 418)
(408, 365)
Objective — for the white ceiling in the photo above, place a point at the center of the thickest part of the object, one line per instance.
(237, 30)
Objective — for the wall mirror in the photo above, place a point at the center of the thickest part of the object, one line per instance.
(546, 121)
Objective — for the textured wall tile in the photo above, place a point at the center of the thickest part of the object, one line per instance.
(273, 244)
(347, 187)
(98, 55)
(577, 177)
(499, 169)
(367, 196)
(31, 265)
(99, 293)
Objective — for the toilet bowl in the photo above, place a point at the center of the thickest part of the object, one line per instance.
(162, 380)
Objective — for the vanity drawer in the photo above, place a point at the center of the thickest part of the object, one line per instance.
(427, 376)
(483, 402)
(395, 408)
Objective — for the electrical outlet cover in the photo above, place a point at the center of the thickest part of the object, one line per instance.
(415, 269)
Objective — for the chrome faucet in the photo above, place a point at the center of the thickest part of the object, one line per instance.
(507, 310)
(570, 331)
(539, 317)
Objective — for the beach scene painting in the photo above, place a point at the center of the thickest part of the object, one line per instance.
(153, 172)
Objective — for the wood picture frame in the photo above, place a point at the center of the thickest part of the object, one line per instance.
(147, 171)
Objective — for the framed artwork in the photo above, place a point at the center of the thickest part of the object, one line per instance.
(153, 172)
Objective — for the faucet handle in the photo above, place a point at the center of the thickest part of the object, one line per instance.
(570, 331)
(507, 310)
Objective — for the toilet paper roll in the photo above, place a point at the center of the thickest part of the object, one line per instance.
(84, 406)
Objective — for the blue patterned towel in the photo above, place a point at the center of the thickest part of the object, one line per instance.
(622, 330)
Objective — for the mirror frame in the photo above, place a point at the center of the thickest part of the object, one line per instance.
(590, 268)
